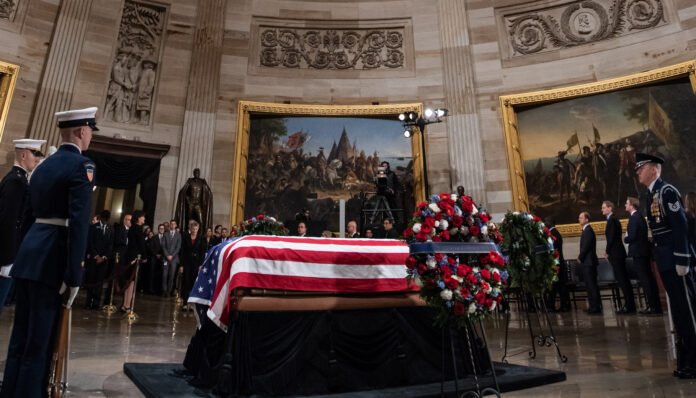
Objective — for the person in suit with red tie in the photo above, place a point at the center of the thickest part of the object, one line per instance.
(616, 254)
(639, 248)
(588, 260)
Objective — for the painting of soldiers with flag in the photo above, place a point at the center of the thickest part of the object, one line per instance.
(577, 152)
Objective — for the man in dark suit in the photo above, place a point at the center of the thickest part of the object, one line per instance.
(172, 250)
(100, 245)
(352, 230)
(559, 288)
(616, 254)
(388, 231)
(157, 247)
(639, 248)
(15, 215)
(589, 262)
(50, 259)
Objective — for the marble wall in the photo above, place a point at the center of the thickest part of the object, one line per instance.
(460, 54)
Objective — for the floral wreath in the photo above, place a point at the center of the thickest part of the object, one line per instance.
(533, 262)
(458, 285)
(259, 225)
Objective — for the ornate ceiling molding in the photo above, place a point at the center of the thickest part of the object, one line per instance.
(546, 26)
(337, 48)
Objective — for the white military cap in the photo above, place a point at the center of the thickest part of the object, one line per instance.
(77, 118)
(28, 143)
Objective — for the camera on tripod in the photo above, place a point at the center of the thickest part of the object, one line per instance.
(381, 181)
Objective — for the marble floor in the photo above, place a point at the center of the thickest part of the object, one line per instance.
(608, 355)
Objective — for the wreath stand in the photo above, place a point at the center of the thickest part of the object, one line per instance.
(544, 337)
(470, 329)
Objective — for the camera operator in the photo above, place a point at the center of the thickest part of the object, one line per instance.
(387, 183)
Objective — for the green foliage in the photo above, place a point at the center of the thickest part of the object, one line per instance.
(532, 262)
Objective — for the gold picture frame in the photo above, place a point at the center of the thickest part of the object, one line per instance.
(248, 108)
(8, 80)
(511, 103)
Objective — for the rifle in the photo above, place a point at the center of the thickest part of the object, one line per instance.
(58, 373)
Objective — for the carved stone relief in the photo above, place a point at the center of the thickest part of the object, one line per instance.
(331, 48)
(8, 9)
(131, 91)
(578, 22)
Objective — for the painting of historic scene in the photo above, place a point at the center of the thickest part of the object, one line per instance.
(310, 163)
(580, 152)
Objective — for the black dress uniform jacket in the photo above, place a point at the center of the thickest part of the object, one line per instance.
(14, 198)
(61, 188)
(667, 220)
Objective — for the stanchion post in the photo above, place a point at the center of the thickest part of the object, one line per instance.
(132, 316)
(111, 308)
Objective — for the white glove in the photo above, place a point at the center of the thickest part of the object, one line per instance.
(71, 295)
(5, 270)
(682, 270)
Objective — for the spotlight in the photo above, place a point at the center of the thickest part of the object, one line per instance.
(428, 113)
(407, 133)
(440, 112)
(402, 117)
(411, 115)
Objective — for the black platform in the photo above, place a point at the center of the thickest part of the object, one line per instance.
(170, 380)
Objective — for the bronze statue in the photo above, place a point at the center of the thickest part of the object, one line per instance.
(195, 202)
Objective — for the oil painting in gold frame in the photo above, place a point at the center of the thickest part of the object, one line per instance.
(250, 112)
(568, 149)
(8, 79)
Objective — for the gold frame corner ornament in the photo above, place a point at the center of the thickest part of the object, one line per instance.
(8, 81)
(511, 103)
(246, 109)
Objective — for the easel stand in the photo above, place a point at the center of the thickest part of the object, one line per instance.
(544, 337)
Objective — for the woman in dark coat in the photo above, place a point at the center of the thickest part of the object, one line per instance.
(136, 247)
(192, 256)
(690, 207)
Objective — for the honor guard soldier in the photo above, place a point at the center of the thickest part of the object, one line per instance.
(50, 259)
(667, 220)
(14, 205)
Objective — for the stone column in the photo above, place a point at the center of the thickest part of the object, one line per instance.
(199, 117)
(464, 136)
(58, 78)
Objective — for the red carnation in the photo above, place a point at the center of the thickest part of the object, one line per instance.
(452, 261)
(480, 297)
(249, 221)
(485, 285)
(421, 236)
(459, 308)
(536, 219)
(445, 235)
(471, 278)
(438, 257)
(555, 254)
(485, 259)
(444, 196)
(498, 238)
(429, 221)
(446, 272)
(416, 213)
(464, 291)
(421, 268)
(422, 205)
(474, 230)
(410, 262)
(451, 283)
(438, 216)
(437, 239)
(489, 302)
(467, 205)
(426, 229)
(484, 218)
(496, 277)
(457, 221)
(499, 299)
(485, 274)
(463, 270)
(408, 232)
(259, 217)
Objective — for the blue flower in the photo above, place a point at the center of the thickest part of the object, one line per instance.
(441, 284)
(449, 304)
(253, 219)
(435, 198)
(504, 275)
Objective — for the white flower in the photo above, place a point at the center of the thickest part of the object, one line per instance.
(464, 229)
(550, 241)
(472, 308)
(496, 290)
(444, 224)
(458, 278)
(434, 208)
(437, 223)
(446, 295)
(453, 231)
(484, 230)
(476, 270)
(418, 281)
(475, 210)
(493, 305)
(431, 263)
(488, 290)
(529, 217)
(473, 239)
(453, 197)
(416, 227)
(517, 213)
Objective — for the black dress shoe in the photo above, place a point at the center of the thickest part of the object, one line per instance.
(626, 311)
(646, 311)
(685, 373)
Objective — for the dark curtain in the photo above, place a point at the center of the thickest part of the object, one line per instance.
(321, 352)
(125, 172)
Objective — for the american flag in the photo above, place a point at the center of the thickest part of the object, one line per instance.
(297, 264)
